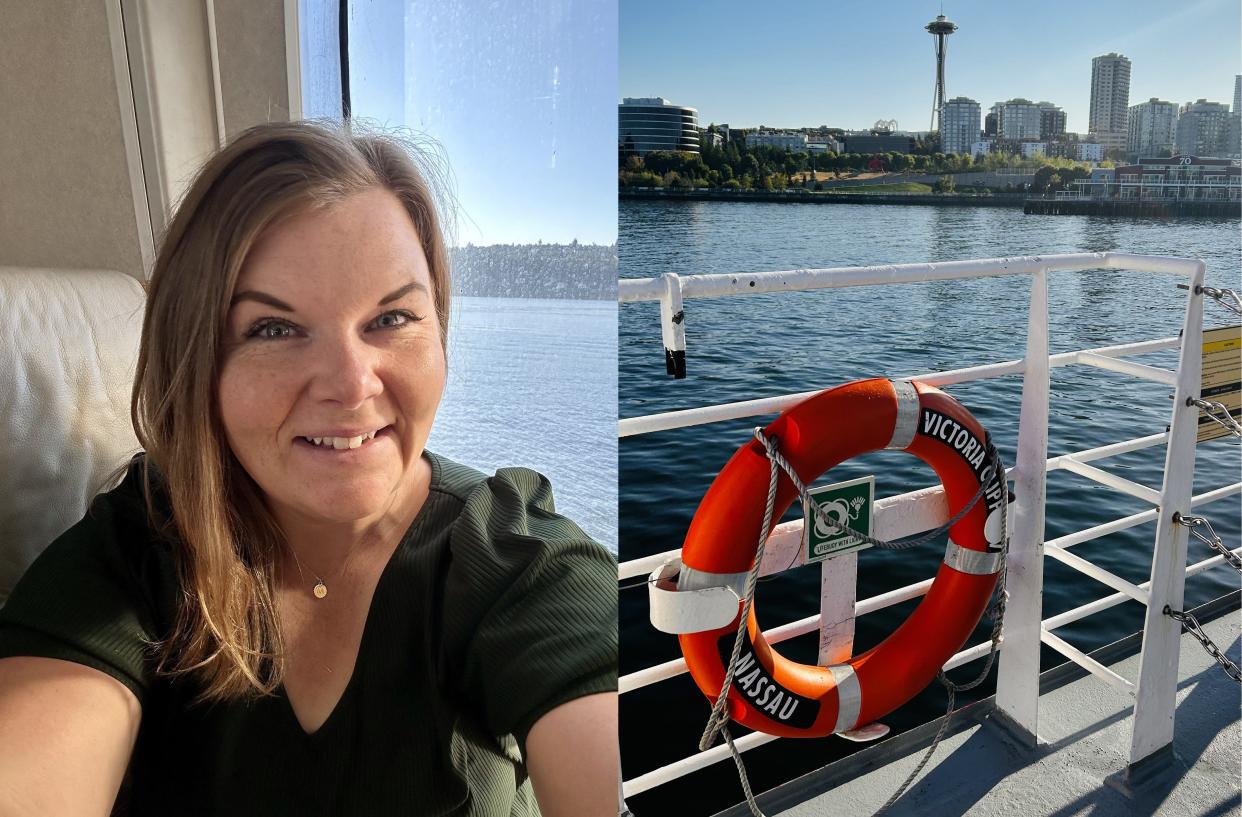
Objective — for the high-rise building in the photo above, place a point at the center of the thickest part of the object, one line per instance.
(989, 122)
(959, 125)
(1203, 129)
(1234, 146)
(1017, 119)
(654, 123)
(1110, 99)
(1152, 128)
(1051, 122)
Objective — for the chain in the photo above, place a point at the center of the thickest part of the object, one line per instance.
(1191, 625)
(1219, 413)
(718, 720)
(1225, 297)
(1211, 540)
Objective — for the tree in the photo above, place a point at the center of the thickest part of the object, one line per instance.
(944, 184)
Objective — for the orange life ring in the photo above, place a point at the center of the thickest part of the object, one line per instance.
(772, 694)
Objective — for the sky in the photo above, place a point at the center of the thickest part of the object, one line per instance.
(520, 94)
(850, 63)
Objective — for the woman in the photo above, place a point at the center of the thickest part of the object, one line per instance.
(288, 605)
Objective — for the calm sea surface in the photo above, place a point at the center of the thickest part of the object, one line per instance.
(759, 346)
(533, 383)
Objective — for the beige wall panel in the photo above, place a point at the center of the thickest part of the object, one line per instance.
(251, 37)
(65, 196)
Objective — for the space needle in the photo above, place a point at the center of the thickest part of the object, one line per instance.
(939, 28)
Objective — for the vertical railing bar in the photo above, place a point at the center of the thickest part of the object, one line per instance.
(1017, 685)
(1155, 696)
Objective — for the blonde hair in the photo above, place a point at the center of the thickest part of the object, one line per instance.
(227, 543)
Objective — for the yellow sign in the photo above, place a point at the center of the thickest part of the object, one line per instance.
(1222, 377)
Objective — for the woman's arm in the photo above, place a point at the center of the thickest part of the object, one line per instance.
(66, 734)
(573, 757)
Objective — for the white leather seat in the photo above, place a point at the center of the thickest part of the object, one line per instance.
(68, 350)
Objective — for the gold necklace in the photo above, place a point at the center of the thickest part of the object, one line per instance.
(320, 590)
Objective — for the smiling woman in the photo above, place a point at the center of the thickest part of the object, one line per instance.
(289, 605)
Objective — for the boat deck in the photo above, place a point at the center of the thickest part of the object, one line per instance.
(980, 768)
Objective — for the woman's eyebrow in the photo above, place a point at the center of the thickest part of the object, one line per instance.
(405, 290)
(276, 303)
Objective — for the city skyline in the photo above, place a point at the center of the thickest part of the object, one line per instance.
(838, 66)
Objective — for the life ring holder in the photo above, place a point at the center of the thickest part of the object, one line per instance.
(770, 693)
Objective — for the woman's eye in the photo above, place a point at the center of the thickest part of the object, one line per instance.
(395, 319)
(270, 330)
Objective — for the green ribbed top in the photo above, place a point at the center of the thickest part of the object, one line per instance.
(492, 611)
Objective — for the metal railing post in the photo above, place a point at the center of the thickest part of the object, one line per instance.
(1017, 683)
(1155, 695)
(673, 326)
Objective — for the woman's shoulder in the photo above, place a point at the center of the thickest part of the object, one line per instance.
(513, 502)
(529, 602)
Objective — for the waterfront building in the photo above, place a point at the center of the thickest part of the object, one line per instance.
(959, 125)
(1176, 178)
(1152, 128)
(1203, 129)
(1061, 149)
(1017, 119)
(1089, 152)
(1030, 149)
(710, 138)
(981, 147)
(1110, 100)
(1051, 122)
(829, 145)
(878, 143)
(789, 140)
(654, 123)
(823, 139)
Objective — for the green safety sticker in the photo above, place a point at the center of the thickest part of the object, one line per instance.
(847, 503)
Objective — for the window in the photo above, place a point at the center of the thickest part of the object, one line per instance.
(522, 102)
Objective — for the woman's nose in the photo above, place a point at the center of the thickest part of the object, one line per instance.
(345, 373)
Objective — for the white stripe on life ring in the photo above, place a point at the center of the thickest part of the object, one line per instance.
(907, 414)
(974, 562)
(849, 697)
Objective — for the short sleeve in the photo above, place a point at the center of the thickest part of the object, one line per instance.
(530, 605)
(80, 600)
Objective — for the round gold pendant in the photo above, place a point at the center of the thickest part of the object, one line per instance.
(321, 590)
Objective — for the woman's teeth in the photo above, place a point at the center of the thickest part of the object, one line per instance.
(340, 443)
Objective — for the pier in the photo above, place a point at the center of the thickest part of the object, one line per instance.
(1130, 207)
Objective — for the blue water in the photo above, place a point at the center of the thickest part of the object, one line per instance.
(533, 383)
(759, 346)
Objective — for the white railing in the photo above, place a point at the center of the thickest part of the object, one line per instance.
(907, 514)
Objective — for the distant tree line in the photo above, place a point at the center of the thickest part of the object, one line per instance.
(737, 167)
(583, 271)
